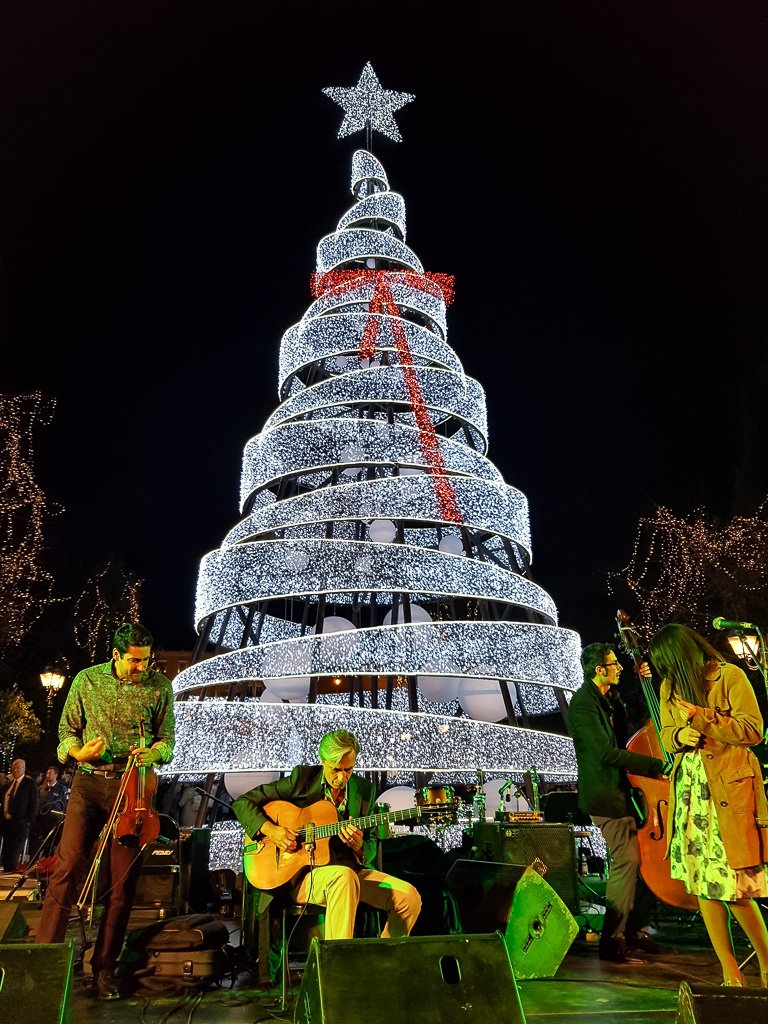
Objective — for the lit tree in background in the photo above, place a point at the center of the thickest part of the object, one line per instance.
(378, 579)
(110, 597)
(25, 585)
(690, 569)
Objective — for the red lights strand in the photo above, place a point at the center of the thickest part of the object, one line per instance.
(383, 301)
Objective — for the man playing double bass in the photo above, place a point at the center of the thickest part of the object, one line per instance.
(603, 793)
(99, 728)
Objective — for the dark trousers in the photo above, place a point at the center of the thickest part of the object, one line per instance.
(90, 804)
(14, 836)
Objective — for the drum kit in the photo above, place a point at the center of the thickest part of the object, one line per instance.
(465, 805)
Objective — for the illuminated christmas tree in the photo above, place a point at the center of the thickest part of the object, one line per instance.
(378, 579)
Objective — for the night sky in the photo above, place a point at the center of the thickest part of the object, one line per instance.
(594, 174)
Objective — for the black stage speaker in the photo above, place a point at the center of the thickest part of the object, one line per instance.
(158, 887)
(194, 857)
(36, 983)
(13, 924)
(710, 1004)
(440, 979)
(548, 848)
(515, 900)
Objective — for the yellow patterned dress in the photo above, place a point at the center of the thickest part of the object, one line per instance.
(696, 852)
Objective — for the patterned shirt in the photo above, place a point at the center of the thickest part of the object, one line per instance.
(99, 705)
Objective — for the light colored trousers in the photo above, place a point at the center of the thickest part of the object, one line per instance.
(339, 889)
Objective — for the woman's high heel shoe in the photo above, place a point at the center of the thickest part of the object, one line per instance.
(740, 982)
(763, 979)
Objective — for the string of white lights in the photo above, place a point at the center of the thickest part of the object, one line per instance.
(445, 394)
(487, 506)
(388, 207)
(252, 736)
(341, 569)
(522, 652)
(355, 297)
(368, 174)
(306, 447)
(361, 244)
(335, 338)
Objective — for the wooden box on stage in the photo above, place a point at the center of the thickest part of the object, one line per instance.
(549, 849)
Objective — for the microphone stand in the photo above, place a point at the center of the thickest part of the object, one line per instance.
(35, 857)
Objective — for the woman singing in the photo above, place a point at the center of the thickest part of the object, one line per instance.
(718, 839)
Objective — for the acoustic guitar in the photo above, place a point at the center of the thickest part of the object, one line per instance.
(268, 867)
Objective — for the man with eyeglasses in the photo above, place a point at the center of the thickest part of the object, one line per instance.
(349, 877)
(604, 793)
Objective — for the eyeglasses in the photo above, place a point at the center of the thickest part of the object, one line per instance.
(611, 664)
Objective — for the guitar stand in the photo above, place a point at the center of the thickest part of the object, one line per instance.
(88, 892)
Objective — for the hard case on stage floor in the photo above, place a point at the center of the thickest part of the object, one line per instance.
(202, 965)
(711, 1004)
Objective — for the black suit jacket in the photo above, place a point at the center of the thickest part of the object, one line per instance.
(602, 763)
(22, 807)
(304, 786)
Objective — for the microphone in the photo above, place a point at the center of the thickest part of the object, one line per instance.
(721, 623)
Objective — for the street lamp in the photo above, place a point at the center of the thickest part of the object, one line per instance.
(52, 679)
(747, 646)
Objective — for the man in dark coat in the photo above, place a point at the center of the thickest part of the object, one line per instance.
(19, 803)
(52, 803)
(604, 793)
(349, 877)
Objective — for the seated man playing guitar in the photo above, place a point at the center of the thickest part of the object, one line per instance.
(291, 845)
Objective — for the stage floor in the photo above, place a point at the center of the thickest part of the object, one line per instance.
(584, 991)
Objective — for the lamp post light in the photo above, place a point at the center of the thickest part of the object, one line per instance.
(52, 679)
(747, 647)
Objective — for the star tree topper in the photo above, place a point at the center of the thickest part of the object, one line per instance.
(367, 104)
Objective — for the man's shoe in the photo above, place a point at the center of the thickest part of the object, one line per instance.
(644, 942)
(616, 952)
(106, 986)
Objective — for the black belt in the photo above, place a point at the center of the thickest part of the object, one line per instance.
(106, 772)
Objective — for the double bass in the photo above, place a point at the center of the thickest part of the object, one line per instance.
(652, 794)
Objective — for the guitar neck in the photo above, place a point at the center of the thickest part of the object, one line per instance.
(333, 828)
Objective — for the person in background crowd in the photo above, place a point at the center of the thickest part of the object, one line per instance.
(52, 803)
(19, 806)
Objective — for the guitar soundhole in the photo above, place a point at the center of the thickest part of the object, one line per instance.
(450, 971)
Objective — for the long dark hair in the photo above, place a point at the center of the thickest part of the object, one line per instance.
(682, 656)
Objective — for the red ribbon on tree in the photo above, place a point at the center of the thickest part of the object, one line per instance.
(383, 301)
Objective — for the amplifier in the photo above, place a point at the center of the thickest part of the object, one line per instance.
(549, 848)
(194, 857)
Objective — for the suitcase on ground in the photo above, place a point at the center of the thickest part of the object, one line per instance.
(197, 966)
(185, 952)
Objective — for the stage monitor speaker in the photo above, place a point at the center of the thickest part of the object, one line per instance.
(711, 1004)
(36, 983)
(515, 900)
(13, 924)
(437, 979)
(548, 848)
